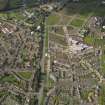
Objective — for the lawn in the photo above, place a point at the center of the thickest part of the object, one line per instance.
(94, 41)
(3, 93)
(57, 39)
(3, 15)
(25, 75)
(53, 19)
(17, 15)
(77, 23)
(102, 70)
(89, 40)
(85, 94)
(8, 78)
(102, 95)
(85, 8)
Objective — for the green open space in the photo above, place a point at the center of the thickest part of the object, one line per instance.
(102, 61)
(103, 64)
(3, 15)
(94, 41)
(84, 94)
(102, 95)
(89, 40)
(25, 74)
(8, 78)
(50, 82)
(3, 93)
(86, 7)
(57, 39)
(83, 10)
(97, 42)
(77, 23)
(17, 15)
(11, 79)
(53, 19)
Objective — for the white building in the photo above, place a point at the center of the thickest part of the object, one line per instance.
(77, 47)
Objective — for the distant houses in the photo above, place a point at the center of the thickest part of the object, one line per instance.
(7, 28)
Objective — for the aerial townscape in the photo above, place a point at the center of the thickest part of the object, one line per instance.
(52, 52)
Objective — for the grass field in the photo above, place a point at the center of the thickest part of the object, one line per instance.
(94, 41)
(17, 15)
(57, 39)
(53, 19)
(8, 78)
(89, 40)
(84, 95)
(3, 93)
(25, 75)
(102, 95)
(77, 23)
(82, 10)
(102, 68)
